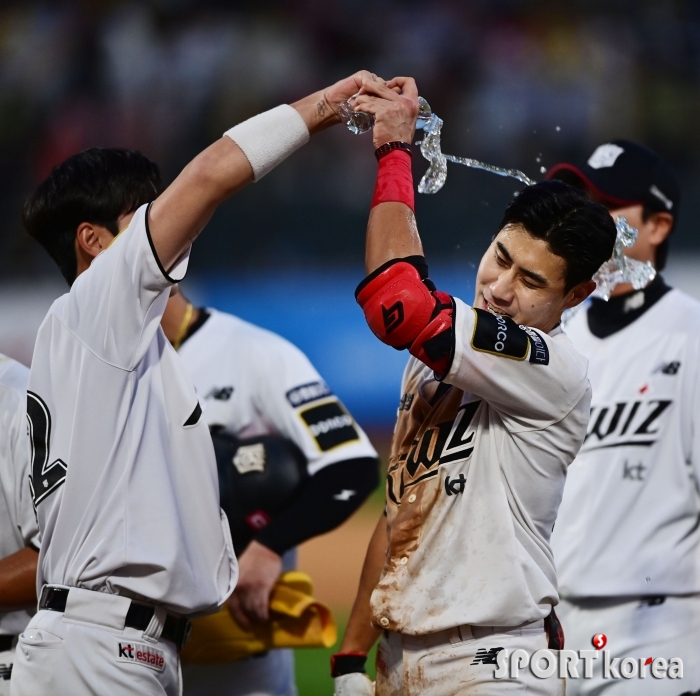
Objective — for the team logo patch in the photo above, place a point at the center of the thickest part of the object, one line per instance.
(141, 654)
(499, 336)
(605, 156)
(330, 424)
(250, 458)
(305, 393)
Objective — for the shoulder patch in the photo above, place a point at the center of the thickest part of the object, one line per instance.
(499, 336)
(330, 424)
(305, 393)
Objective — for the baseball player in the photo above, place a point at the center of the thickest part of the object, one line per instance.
(18, 528)
(124, 477)
(494, 408)
(252, 382)
(627, 542)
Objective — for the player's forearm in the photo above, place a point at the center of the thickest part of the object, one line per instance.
(321, 505)
(18, 580)
(360, 635)
(391, 233)
(317, 112)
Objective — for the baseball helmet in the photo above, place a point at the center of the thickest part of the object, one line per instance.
(258, 478)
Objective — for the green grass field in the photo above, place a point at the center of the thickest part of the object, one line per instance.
(313, 667)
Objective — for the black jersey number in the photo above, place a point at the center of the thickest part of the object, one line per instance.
(45, 478)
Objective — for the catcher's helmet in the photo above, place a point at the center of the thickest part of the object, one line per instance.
(258, 477)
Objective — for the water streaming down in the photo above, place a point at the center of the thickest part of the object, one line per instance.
(618, 269)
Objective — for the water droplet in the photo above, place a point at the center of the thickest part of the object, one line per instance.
(457, 246)
(538, 159)
(558, 128)
(543, 170)
(484, 203)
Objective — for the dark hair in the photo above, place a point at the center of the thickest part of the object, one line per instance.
(98, 185)
(575, 228)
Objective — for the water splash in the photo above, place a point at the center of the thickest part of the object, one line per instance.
(616, 270)
(431, 149)
(620, 268)
(433, 180)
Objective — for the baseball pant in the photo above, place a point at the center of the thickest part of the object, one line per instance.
(7, 657)
(83, 652)
(459, 662)
(643, 628)
(271, 674)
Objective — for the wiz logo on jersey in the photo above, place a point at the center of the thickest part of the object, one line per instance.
(626, 424)
(440, 444)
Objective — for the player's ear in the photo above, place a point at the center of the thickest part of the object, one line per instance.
(578, 294)
(91, 239)
(661, 227)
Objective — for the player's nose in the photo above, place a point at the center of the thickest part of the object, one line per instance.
(502, 290)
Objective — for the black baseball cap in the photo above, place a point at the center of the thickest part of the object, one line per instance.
(624, 173)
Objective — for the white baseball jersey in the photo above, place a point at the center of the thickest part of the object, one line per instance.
(253, 382)
(628, 523)
(18, 527)
(476, 475)
(123, 468)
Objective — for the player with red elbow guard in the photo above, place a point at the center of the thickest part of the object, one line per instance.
(495, 407)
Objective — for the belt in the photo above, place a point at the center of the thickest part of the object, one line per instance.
(175, 628)
(6, 643)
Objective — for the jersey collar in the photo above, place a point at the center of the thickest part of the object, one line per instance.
(606, 318)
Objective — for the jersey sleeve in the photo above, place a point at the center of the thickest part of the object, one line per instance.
(114, 308)
(295, 400)
(523, 373)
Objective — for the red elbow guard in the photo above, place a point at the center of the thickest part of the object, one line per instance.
(434, 346)
(397, 304)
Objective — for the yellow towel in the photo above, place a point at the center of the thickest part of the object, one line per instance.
(297, 620)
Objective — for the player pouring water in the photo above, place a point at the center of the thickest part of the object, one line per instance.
(495, 407)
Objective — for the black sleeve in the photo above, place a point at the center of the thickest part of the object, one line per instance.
(325, 502)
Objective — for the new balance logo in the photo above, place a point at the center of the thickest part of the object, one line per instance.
(220, 393)
(455, 486)
(671, 369)
(393, 316)
(5, 672)
(486, 657)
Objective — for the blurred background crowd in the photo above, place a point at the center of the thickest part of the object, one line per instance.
(522, 83)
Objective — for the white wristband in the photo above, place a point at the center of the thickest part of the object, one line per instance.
(269, 138)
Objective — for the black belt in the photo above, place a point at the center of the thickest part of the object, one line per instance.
(175, 628)
(6, 643)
